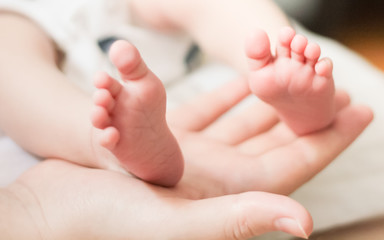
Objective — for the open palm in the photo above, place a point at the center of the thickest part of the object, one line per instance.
(251, 150)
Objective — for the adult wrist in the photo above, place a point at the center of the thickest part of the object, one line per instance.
(16, 221)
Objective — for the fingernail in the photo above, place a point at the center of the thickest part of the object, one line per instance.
(290, 226)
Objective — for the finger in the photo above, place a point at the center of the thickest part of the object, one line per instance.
(206, 109)
(281, 134)
(239, 127)
(290, 166)
(242, 216)
(278, 136)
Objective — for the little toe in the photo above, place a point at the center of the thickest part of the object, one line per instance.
(312, 53)
(342, 99)
(258, 50)
(127, 60)
(324, 67)
(109, 138)
(283, 48)
(100, 117)
(298, 45)
(103, 98)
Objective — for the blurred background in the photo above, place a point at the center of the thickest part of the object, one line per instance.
(357, 24)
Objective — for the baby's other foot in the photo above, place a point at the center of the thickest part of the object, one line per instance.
(294, 82)
(131, 115)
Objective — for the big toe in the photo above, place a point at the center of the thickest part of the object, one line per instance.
(258, 49)
(127, 60)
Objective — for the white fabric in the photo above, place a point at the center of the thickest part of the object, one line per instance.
(348, 190)
(77, 25)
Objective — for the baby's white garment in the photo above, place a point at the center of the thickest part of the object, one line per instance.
(77, 26)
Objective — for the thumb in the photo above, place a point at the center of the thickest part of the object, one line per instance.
(243, 216)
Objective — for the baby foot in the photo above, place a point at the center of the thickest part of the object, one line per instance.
(131, 116)
(294, 82)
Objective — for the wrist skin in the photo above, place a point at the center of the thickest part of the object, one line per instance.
(18, 215)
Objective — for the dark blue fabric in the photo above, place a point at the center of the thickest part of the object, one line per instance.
(105, 43)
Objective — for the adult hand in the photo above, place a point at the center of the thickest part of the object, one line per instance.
(67, 201)
(251, 150)
(228, 163)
